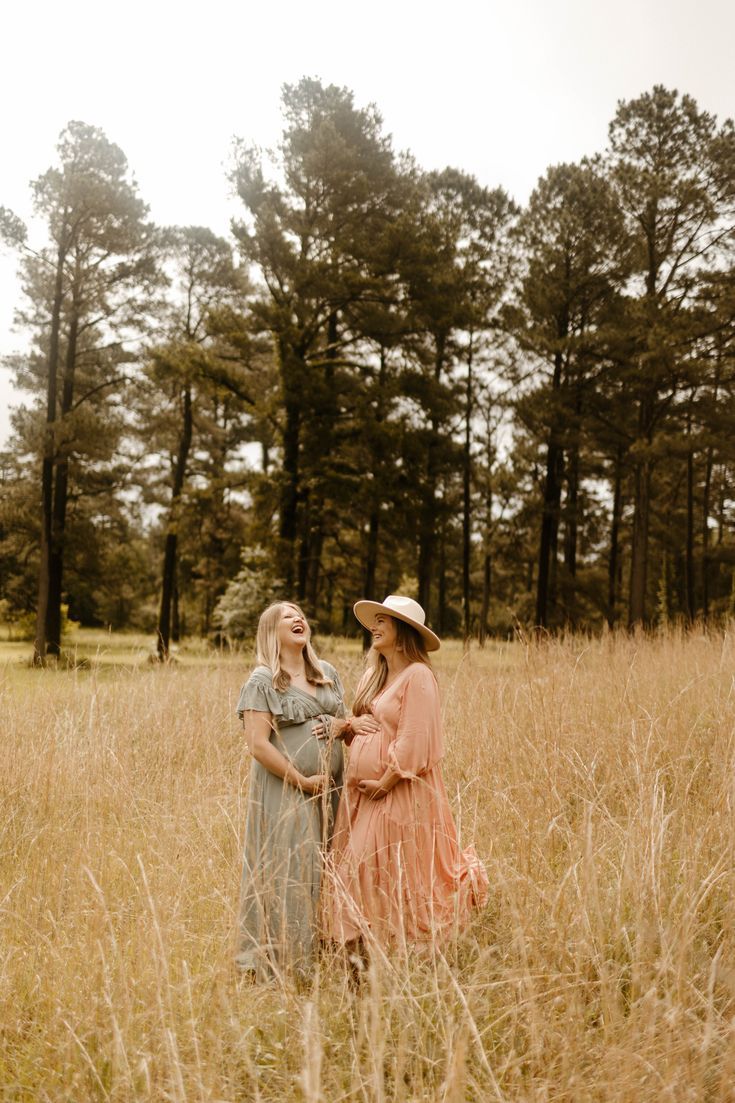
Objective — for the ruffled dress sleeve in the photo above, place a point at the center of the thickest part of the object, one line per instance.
(286, 708)
(418, 745)
(259, 695)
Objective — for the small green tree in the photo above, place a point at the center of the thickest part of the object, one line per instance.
(253, 588)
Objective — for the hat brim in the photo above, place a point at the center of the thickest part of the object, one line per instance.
(366, 612)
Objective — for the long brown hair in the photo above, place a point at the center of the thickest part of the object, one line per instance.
(268, 649)
(410, 642)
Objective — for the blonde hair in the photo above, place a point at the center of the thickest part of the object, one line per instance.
(268, 648)
(410, 642)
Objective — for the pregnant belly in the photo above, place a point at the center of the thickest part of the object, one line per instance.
(309, 755)
(367, 758)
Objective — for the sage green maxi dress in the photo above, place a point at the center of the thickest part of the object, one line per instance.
(287, 831)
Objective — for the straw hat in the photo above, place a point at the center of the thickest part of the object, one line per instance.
(402, 608)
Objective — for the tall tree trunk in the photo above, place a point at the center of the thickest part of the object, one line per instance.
(705, 531)
(329, 604)
(442, 625)
(289, 492)
(553, 588)
(571, 513)
(426, 537)
(466, 498)
(371, 565)
(487, 549)
(315, 559)
(175, 612)
(167, 585)
(47, 465)
(371, 554)
(639, 543)
(210, 597)
(304, 546)
(689, 557)
(170, 552)
(485, 606)
(570, 535)
(56, 559)
(612, 571)
(44, 569)
(293, 375)
(378, 465)
(708, 466)
(550, 516)
(427, 524)
(321, 452)
(571, 517)
(641, 518)
(61, 497)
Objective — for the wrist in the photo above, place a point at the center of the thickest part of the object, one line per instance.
(346, 731)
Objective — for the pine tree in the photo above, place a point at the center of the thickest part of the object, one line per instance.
(672, 169)
(320, 243)
(187, 376)
(571, 234)
(87, 292)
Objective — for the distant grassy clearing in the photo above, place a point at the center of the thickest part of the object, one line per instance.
(104, 648)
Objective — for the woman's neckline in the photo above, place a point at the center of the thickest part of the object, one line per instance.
(389, 685)
(305, 692)
(298, 689)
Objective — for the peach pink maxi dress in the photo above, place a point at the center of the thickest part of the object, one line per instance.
(396, 866)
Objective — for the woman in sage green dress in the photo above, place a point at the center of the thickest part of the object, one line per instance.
(287, 707)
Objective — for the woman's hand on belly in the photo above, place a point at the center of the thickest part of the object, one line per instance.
(365, 724)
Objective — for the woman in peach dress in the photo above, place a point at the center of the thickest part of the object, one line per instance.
(397, 871)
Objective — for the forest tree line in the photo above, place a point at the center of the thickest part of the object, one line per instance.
(386, 379)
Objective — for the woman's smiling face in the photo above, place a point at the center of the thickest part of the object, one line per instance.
(293, 629)
(384, 633)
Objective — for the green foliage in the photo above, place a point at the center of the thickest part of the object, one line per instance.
(22, 626)
(252, 589)
(13, 230)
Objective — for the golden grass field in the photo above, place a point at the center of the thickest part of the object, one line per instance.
(597, 778)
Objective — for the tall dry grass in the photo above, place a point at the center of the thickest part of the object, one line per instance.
(597, 779)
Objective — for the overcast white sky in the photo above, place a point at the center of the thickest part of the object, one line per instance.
(499, 88)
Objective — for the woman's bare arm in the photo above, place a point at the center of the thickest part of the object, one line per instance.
(374, 790)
